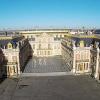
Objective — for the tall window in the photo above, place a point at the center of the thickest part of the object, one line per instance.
(77, 67)
(14, 58)
(82, 55)
(56, 36)
(14, 69)
(55, 47)
(45, 52)
(78, 56)
(33, 46)
(8, 69)
(6, 57)
(31, 36)
(49, 46)
(87, 55)
(87, 65)
(39, 46)
(65, 35)
(48, 52)
(27, 36)
(81, 67)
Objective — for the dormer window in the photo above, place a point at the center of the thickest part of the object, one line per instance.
(9, 46)
(81, 43)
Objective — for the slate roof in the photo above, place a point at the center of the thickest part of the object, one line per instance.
(87, 41)
(3, 43)
(97, 31)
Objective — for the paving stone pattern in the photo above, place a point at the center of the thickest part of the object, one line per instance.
(46, 64)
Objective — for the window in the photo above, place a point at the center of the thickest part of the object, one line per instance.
(37, 52)
(6, 57)
(49, 46)
(14, 58)
(56, 36)
(86, 68)
(31, 36)
(77, 56)
(8, 69)
(77, 67)
(33, 39)
(45, 52)
(80, 67)
(87, 55)
(55, 47)
(9, 46)
(65, 35)
(27, 36)
(33, 46)
(48, 52)
(82, 55)
(39, 46)
(14, 69)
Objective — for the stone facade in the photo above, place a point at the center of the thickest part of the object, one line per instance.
(1, 63)
(67, 52)
(78, 51)
(45, 42)
(95, 60)
(16, 51)
(76, 54)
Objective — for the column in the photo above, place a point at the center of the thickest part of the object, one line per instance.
(97, 64)
(74, 61)
(74, 58)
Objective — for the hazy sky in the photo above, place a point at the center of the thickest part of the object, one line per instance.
(53, 13)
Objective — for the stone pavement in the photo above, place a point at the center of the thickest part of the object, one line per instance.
(46, 64)
(7, 88)
(50, 88)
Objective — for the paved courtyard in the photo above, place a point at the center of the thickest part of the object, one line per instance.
(46, 64)
(50, 88)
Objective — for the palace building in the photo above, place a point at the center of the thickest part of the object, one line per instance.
(1, 63)
(80, 52)
(16, 50)
(95, 59)
(45, 42)
(76, 53)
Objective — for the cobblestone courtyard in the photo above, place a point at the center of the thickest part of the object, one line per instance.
(46, 64)
(65, 87)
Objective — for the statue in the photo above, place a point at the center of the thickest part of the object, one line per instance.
(97, 44)
(73, 42)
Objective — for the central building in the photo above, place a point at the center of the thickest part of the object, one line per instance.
(45, 43)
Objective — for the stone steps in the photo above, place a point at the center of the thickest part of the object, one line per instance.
(46, 74)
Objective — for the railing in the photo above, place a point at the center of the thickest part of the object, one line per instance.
(11, 50)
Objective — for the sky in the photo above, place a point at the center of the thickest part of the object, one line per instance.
(18, 14)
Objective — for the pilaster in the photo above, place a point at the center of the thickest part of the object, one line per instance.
(97, 64)
(74, 60)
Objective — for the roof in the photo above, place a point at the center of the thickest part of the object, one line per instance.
(97, 31)
(13, 41)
